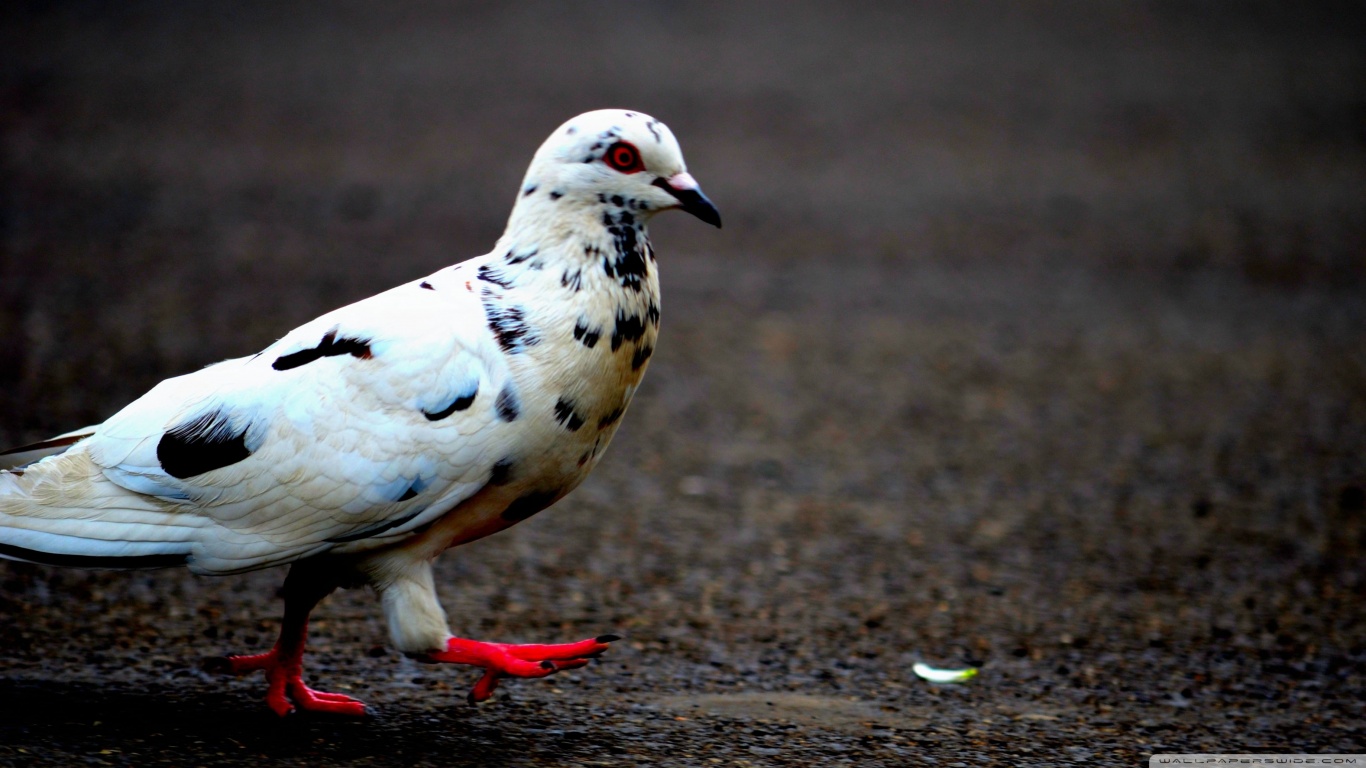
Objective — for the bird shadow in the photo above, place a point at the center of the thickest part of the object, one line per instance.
(167, 725)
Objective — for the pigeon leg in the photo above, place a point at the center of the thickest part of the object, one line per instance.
(304, 587)
(501, 660)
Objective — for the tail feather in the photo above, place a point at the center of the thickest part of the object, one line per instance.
(15, 458)
(62, 511)
(47, 549)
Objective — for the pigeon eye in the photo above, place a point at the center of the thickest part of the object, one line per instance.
(624, 158)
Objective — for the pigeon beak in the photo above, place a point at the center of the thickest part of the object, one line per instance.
(690, 198)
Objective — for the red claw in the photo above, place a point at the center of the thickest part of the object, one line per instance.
(284, 664)
(501, 660)
(287, 691)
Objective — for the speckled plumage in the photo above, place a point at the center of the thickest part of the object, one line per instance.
(382, 433)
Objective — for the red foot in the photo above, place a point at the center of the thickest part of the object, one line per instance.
(509, 660)
(287, 691)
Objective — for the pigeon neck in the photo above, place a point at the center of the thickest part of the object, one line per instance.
(606, 245)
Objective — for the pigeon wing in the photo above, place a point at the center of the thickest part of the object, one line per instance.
(354, 429)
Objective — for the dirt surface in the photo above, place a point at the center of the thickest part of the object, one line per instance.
(1034, 341)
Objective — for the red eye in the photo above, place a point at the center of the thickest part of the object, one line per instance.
(624, 158)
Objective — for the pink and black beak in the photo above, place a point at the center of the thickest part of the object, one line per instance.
(684, 188)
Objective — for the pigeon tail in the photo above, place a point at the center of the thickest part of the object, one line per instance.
(93, 525)
(17, 458)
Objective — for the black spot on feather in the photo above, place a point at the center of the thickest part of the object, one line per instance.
(427, 285)
(530, 188)
(497, 277)
(510, 327)
(642, 354)
(512, 257)
(611, 418)
(202, 445)
(589, 338)
(627, 264)
(627, 329)
(565, 415)
(501, 473)
(507, 405)
(330, 346)
(460, 403)
(527, 506)
(556, 195)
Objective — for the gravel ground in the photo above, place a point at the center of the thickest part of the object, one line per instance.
(1034, 341)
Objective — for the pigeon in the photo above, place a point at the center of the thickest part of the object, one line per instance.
(364, 443)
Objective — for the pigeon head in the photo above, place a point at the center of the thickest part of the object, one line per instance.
(614, 159)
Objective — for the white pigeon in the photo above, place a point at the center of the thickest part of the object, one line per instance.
(364, 443)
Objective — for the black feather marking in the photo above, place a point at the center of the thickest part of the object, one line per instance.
(47, 445)
(411, 493)
(627, 329)
(628, 265)
(510, 327)
(642, 354)
(376, 529)
(497, 277)
(565, 415)
(330, 346)
(556, 195)
(527, 506)
(507, 405)
(654, 131)
(512, 257)
(427, 285)
(589, 338)
(611, 418)
(574, 281)
(460, 403)
(94, 561)
(501, 474)
(202, 445)
(652, 313)
(530, 188)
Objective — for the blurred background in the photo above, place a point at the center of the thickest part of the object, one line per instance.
(1033, 340)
